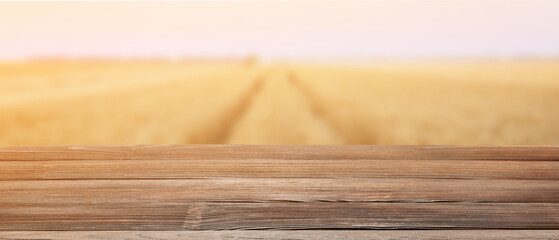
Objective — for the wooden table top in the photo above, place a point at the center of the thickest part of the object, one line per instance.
(279, 192)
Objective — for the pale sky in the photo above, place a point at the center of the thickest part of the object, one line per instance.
(294, 29)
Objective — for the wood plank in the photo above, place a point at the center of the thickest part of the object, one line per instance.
(158, 216)
(309, 235)
(221, 187)
(304, 190)
(275, 152)
(278, 168)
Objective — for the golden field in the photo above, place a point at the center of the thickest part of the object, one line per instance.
(179, 102)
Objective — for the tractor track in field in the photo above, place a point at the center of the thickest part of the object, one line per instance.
(240, 109)
(236, 116)
(305, 91)
(313, 101)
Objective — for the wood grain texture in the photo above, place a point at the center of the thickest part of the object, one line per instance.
(291, 235)
(274, 152)
(174, 216)
(280, 189)
(277, 168)
(275, 189)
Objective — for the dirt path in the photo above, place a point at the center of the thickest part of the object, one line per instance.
(280, 113)
(234, 115)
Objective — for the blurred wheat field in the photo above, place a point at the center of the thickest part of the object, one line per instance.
(177, 102)
(120, 103)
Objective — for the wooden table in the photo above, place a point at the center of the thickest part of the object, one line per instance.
(289, 192)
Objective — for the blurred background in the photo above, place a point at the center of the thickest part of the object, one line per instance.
(280, 72)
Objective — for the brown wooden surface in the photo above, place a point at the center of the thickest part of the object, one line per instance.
(287, 235)
(344, 192)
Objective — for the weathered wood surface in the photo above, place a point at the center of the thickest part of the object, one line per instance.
(273, 152)
(287, 235)
(454, 191)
